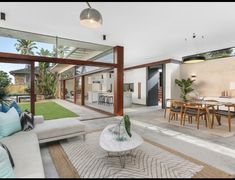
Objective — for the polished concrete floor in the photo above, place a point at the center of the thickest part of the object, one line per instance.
(209, 147)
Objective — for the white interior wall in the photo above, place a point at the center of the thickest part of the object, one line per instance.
(172, 73)
(135, 76)
(212, 76)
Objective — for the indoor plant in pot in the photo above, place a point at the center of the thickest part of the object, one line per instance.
(185, 87)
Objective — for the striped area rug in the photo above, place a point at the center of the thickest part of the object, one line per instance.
(149, 161)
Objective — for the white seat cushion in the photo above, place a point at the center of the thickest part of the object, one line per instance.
(25, 151)
(59, 127)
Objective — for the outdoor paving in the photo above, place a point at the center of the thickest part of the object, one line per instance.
(215, 150)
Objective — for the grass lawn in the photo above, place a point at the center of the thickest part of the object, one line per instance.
(50, 110)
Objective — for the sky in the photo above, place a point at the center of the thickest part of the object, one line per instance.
(8, 45)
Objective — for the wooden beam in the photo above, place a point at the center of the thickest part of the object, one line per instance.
(118, 80)
(74, 89)
(153, 64)
(32, 89)
(64, 87)
(83, 91)
(3, 60)
(13, 58)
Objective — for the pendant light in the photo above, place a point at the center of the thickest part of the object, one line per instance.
(91, 18)
(194, 58)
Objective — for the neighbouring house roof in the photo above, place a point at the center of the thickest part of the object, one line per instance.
(24, 71)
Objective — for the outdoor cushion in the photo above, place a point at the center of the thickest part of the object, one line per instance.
(6, 170)
(25, 151)
(58, 127)
(9, 123)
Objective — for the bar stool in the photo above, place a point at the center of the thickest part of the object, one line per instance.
(109, 100)
(101, 99)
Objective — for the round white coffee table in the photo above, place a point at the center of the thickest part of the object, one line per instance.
(122, 148)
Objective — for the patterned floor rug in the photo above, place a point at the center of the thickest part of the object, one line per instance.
(88, 160)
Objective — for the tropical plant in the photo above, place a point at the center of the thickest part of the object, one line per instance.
(46, 80)
(44, 52)
(25, 47)
(185, 87)
(5, 81)
(127, 124)
(60, 51)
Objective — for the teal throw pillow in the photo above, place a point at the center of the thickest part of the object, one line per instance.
(6, 170)
(9, 123)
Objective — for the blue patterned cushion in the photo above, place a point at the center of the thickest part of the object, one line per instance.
(9, 123)
(15, 105)
(5, 107)
(6, 170)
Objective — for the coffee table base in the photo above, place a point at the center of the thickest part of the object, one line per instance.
(122, 156)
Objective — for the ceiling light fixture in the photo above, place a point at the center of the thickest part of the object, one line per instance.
(3, 16)
(194, 58)
(91, 18)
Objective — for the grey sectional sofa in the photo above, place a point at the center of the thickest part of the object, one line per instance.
(24, 146)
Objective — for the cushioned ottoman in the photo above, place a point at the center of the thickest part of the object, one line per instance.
(58, 129)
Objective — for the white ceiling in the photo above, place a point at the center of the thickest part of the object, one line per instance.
(149, 31)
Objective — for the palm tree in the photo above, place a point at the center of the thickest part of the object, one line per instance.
(25, 47)
(46, 81)
(60, 51)
(44, 52)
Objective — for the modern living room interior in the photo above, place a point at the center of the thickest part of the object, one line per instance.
(97, 94)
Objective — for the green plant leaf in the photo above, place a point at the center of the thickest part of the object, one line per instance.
(127, 125)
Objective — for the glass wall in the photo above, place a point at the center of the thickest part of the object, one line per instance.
(14, 41)
(78, 90)
(99, 90)
(16, 84)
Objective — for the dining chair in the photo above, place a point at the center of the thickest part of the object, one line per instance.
(168, 105)
(229, 113)
(176, 109)
(194, 110)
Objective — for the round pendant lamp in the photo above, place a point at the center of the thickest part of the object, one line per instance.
(91, 18)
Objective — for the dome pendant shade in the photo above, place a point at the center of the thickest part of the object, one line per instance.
(195, 59)
(91, 18)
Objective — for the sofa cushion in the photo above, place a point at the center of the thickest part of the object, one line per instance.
(9, 154)
(5, 107)
(9, 123)
(6, 170)
(24, 148)
(27, 121)
(58, 127)
(15, 105)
